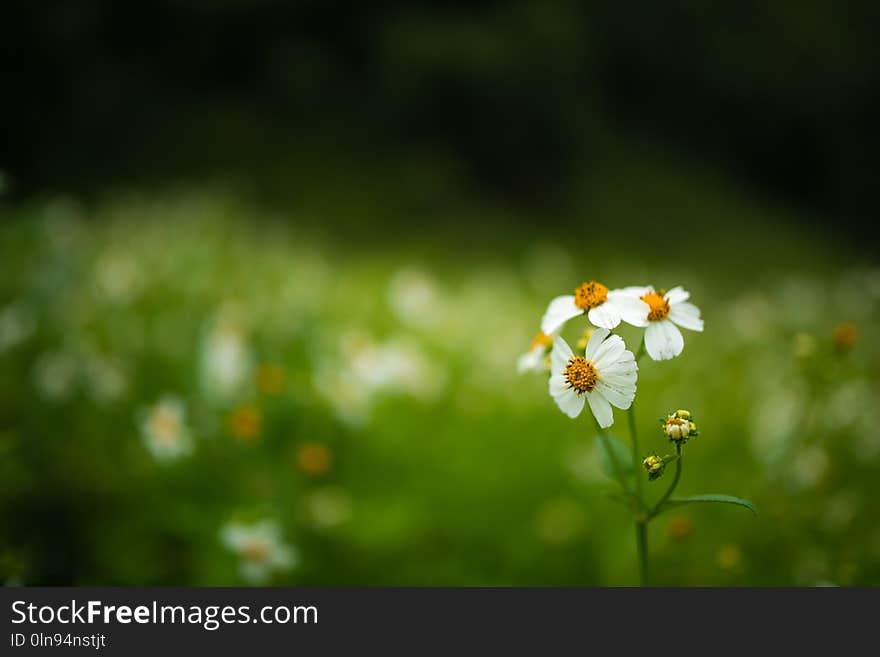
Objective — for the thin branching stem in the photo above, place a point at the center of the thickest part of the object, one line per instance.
(672, 486)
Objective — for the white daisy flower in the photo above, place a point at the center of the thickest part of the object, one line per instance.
(260, 548)
(666, 311)
(535, 359)
(605, 375)
(604, 309)
(164, 429)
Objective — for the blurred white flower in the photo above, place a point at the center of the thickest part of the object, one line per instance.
(413, 297)
(328, 507)
(118, 275)
(17, 324)
(164, 430)
(846, 402)
(105, 379)
(800, 301)
(55, 375)
(809, 467)
(259, 548)
(665, 312)
(226, 359)
(366, 369)
(605, 375)
(840, 511)
(535, 359)
(750, 315)
(772, 423)
(399, 365)
(866, 436)
(603, 308)
(351, 401)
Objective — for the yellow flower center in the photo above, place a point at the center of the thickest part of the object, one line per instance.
(581, 375)
(658, 304)
(541, 340)
(589, 295)
(255, 550)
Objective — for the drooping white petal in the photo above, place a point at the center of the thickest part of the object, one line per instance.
(621, 396)
(560, 310)
(560, 355)
(686, 315)
(663, 340)
(630, 308)
(601, 409)
(677, 295)
(605, 315)
(595, 340)
(566, 398)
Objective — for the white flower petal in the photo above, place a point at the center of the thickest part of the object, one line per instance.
(631, 291)
(620, 395)
(595, 340)
(560, 310)
(605, 315)
(677, 295)
(663, 340)
(621, 379)
(560, 355)
(609, 352)
(625, 369)
(601, 409)
(531, 361)
(566, 398)
(631, 309)
(686, 315)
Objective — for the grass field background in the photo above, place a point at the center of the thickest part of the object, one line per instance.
(346, 362)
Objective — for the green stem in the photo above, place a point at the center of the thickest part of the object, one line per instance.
(641, 518)
(634, 437)
(672, 486)
(642, 549)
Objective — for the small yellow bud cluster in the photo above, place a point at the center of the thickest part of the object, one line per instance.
(679, 426)
(654, 466)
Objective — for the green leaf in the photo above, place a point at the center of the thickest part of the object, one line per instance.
(709, 497)
(615, 457)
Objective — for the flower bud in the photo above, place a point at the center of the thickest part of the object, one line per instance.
(654, 466)
(678, 427)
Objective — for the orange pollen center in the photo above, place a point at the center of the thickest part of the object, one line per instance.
(541, 340)
(580, 374)
(589, 295)
(659, 306)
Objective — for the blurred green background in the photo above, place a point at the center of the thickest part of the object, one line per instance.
(266, 270)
